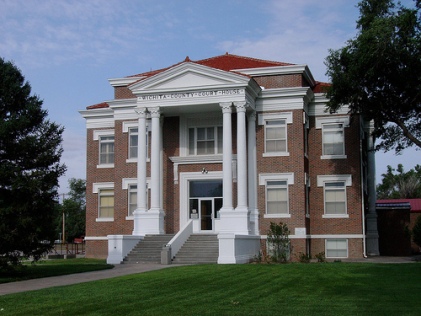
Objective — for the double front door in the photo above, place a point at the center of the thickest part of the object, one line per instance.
(205, 202)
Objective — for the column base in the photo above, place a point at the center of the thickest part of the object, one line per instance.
(148, 222)
(235, 221)
(119, 246)
(237, 248)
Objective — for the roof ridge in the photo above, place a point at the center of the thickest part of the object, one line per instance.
(245, 57)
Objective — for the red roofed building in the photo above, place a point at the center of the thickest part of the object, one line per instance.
(222, 147)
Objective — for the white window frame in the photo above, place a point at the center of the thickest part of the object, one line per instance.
(336, 241)
(266, 179)
(322, 123)
(216, 141)
(96, 189)
(97, 137)
(127, 128)
(321, 182)
(264, 118)
(126, 184)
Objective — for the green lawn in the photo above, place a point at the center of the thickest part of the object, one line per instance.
(253, 289)
(47, 268)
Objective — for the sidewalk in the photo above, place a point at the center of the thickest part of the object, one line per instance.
(118, 270)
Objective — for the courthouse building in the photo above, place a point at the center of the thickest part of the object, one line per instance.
(224, 146)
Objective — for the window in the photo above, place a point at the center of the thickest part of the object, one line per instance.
(336, 248)
(205, 140)
(132, 189)
(335, 198)
(333, 139)
(277, 193)
(133, 134)
(275, 128)
(133, 142)
(333, 136)
(106, 150)
(106, 203)
(277, 197)
(275, 136)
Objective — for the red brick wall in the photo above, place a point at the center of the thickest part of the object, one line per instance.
(97, 249)
(123, 93)
(281, 81)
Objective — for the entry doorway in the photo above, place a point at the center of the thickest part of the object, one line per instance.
(205, 201)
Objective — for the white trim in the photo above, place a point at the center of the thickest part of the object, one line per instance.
(335, 216)
(105, 165)
(349, 236)
(288, 176)
(185, 177)
(331, 120)
(277, 215)
(103, 132)
(276, 154)
(333, 157)
(262, 117)
(347, 178)
(104, 238)
(102, 185)
(104, 219)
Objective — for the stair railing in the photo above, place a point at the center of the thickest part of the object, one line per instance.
(175, 244)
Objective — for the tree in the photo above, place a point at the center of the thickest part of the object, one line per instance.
(378, 73)
(400, 185)
(30, 151)
(74, 209)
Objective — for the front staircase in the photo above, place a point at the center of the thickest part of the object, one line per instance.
(198, 249)
(148, 250)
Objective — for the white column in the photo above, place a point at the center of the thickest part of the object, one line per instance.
(227, 156)
(252, 173)
(152, 221)
(241, 156)
(141, 171)
(155, 159)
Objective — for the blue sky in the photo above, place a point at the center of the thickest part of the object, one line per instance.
(68, 50)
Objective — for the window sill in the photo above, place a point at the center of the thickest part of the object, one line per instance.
(335, 216)
(277, 216)
(129, 218)
(333, 157)
(105, 219)
(134, 160)
(107, 165)
(280, 154)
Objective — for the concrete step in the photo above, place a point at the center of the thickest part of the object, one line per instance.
(198, 249)
(148, 249)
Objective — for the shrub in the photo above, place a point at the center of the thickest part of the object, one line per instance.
(278, 242)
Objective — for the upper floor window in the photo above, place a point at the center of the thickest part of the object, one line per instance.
(106, 150)
(205, 140)
(275, 132)
(275, 136)
(132, 190)
(131, 127)
(105, 140)
(335, 195)
(133, 136)
(333, 139)
(333, 136)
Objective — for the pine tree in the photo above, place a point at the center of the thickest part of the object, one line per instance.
(30, 152)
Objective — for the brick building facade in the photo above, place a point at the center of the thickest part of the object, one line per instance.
(228, 145)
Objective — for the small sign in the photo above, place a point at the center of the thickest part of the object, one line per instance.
(300, 231)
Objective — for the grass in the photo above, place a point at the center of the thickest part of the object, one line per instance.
(48, 268)
(254, 289)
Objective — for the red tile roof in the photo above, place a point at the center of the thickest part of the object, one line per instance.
(224, 62)
(98, 106)
(321, 87)
(415, 203)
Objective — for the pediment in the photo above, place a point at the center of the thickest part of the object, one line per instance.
(188, 76)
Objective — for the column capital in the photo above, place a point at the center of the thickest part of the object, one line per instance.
(155, 112)
(226, 107)
(241, 106)
(141, 112)
(251, 116)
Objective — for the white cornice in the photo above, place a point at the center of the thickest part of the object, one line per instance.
(284, 99)
(122, 82)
